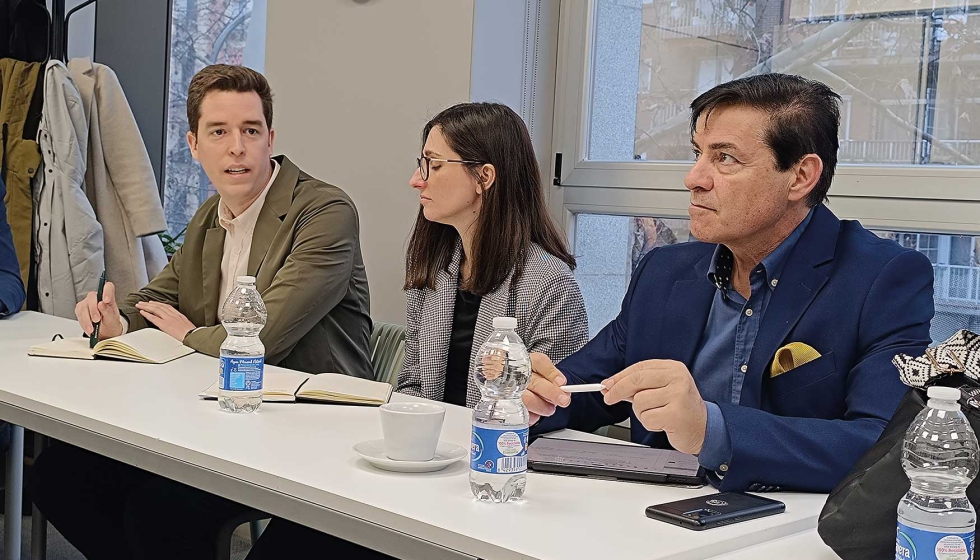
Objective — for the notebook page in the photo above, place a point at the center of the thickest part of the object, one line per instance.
(74, 347)
(278, 385)
(345, 388)
(144, 345)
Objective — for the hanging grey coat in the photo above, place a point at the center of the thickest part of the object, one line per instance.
(67, 236)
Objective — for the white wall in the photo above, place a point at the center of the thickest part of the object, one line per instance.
(354, 82)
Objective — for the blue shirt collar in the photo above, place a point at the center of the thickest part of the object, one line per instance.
(720, 271)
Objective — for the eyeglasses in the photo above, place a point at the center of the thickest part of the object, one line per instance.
(424, 169)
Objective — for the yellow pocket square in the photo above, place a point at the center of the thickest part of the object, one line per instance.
(792, 356)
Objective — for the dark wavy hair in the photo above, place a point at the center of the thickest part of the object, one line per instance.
(513, 213)
(804, 116)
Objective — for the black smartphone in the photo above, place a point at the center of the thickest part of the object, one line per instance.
(715, 510)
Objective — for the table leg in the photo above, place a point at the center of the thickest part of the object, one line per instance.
(14, 494)
(39, 525)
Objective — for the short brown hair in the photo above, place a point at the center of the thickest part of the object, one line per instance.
(225, 77)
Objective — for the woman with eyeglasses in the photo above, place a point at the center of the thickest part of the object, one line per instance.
(483, 246)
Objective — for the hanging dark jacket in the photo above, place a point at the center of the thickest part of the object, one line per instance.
(25, 27)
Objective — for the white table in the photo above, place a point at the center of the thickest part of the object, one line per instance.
(295, 461)
(18, 328)
(801, 546)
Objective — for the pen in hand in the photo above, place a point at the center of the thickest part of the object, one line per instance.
(583, 388)
(94, 339)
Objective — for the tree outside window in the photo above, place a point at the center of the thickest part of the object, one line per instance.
(203, 32)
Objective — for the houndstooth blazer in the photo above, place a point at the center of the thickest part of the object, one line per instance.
(546, 301)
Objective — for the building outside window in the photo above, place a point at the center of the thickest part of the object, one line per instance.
(203, 32)
(909, 160)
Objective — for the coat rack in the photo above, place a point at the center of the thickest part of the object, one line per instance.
(59, 30)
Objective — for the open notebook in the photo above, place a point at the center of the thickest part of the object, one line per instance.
(335, 388)
(149, 346)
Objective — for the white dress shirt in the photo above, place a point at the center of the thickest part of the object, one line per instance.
(238, 240)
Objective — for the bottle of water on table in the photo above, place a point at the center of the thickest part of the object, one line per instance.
(242, 353)
(935, 519)
(498, 454)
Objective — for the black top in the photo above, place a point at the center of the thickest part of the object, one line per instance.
(460, 346)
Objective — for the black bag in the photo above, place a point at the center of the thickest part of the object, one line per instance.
(860, 519)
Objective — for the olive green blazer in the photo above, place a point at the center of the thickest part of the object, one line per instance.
(306, 258)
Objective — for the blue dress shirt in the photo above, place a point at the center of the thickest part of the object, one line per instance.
(728, 338)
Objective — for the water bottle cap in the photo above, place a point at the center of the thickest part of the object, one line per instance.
(504, 323)
(944, 393)
(245, 280)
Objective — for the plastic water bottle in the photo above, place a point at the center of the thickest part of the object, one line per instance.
(935, 519)
(498, 453)
(242, 353)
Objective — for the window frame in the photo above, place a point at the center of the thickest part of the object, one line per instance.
(913, 198)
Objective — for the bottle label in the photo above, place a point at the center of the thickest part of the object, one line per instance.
(241, 374)
(499, 450)
(919, 544)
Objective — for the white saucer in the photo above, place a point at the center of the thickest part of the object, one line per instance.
(374, 453)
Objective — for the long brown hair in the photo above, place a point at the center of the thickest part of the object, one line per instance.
(513, 213)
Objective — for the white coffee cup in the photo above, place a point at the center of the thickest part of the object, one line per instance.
(411, 430)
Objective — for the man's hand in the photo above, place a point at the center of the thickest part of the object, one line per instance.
(493, 363)
(166, 318)
(543, 394)
(665, 399)
(90, 311)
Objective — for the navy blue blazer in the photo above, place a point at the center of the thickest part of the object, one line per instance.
(11, 287)
(857, 299)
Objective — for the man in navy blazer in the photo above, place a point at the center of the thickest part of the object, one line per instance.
(690, 358)
(12, 294)
(11, 287)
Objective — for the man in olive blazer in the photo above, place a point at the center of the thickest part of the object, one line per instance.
(306, 259)
(298, 237)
